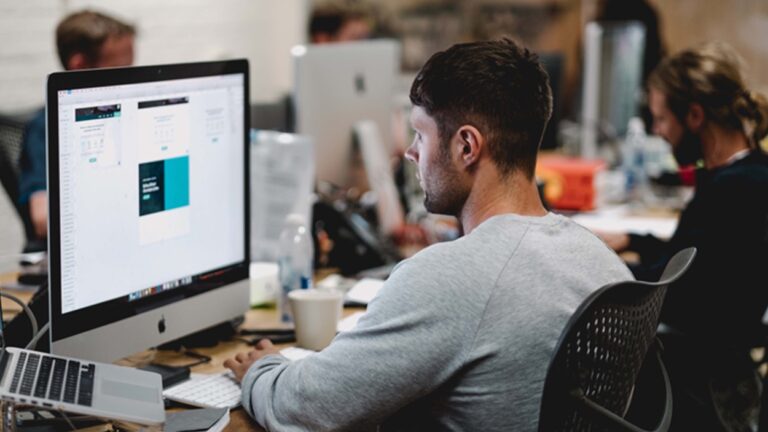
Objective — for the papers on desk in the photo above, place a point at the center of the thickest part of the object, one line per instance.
(619, 219)
(295, 353)
(349, 322)
(359, 292)
(364, 291)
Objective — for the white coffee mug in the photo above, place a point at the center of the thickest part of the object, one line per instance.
(316, 313)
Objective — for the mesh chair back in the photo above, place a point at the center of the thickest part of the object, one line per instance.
(11, 138)
(602, 348)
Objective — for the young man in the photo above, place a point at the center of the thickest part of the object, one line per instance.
(461, 334)
(84, 40)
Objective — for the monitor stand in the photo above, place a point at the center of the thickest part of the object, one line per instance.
(208, 337)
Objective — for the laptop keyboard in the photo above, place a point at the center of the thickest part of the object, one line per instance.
(54, 378)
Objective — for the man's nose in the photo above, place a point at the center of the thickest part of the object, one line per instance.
(411, 154)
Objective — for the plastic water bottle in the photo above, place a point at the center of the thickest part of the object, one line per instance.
(295, 257)
(637, 188)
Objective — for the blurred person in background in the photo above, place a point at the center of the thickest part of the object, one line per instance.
(84, 40)
(339, 22)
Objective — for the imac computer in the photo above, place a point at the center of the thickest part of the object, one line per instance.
(336, 86)
(149, 216)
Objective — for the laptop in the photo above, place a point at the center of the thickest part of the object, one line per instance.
(78, 386)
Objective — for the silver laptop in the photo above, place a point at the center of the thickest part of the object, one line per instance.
(79, 386)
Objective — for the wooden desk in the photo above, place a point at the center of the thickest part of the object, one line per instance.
(10, 308)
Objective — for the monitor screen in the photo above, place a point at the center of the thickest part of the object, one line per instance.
(148, 199)
(337, 86)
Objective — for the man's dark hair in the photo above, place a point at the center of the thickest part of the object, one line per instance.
(328, 18)
(85, 32)
(498, 87)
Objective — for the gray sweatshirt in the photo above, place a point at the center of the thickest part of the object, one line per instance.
(459, 338)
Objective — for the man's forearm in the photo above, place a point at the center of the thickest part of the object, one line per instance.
(38, 213)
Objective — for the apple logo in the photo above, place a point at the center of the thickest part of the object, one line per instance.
(359, 83)
(161, 325)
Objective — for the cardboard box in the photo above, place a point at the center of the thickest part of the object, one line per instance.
(569, 182)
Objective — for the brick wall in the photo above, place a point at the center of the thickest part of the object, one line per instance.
(170, 31)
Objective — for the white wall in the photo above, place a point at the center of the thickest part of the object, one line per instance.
(170, 31)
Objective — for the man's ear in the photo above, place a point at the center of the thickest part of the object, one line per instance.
(469, 143)
(77, 61)
(695, 118)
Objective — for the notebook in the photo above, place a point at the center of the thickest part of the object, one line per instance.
(79, 386)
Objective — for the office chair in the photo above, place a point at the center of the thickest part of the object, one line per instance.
(603, 349)
(12, 129)
(762, 362)
(11, 138)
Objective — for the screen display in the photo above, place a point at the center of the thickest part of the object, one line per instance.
(150, 186)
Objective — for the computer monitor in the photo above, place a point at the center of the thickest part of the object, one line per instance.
(613, 67)
(336, 86)
(553, 65)
(149, 214)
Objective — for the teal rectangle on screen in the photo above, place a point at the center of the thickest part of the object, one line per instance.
(176, 182)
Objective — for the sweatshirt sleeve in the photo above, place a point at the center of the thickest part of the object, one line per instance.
(407, 344)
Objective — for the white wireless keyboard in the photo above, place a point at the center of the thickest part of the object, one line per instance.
(209, 391)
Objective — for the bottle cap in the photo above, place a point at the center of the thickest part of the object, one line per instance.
(636, 124)
(296, 219)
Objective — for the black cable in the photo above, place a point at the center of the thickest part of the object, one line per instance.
(33, 343)
(274, 338)
(202, 358)
(27, 310)
(69, 422)
(265, 332)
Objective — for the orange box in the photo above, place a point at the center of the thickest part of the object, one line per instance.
(569, 182)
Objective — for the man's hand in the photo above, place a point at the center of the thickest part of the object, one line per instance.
(244, 360)
(38, 213)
